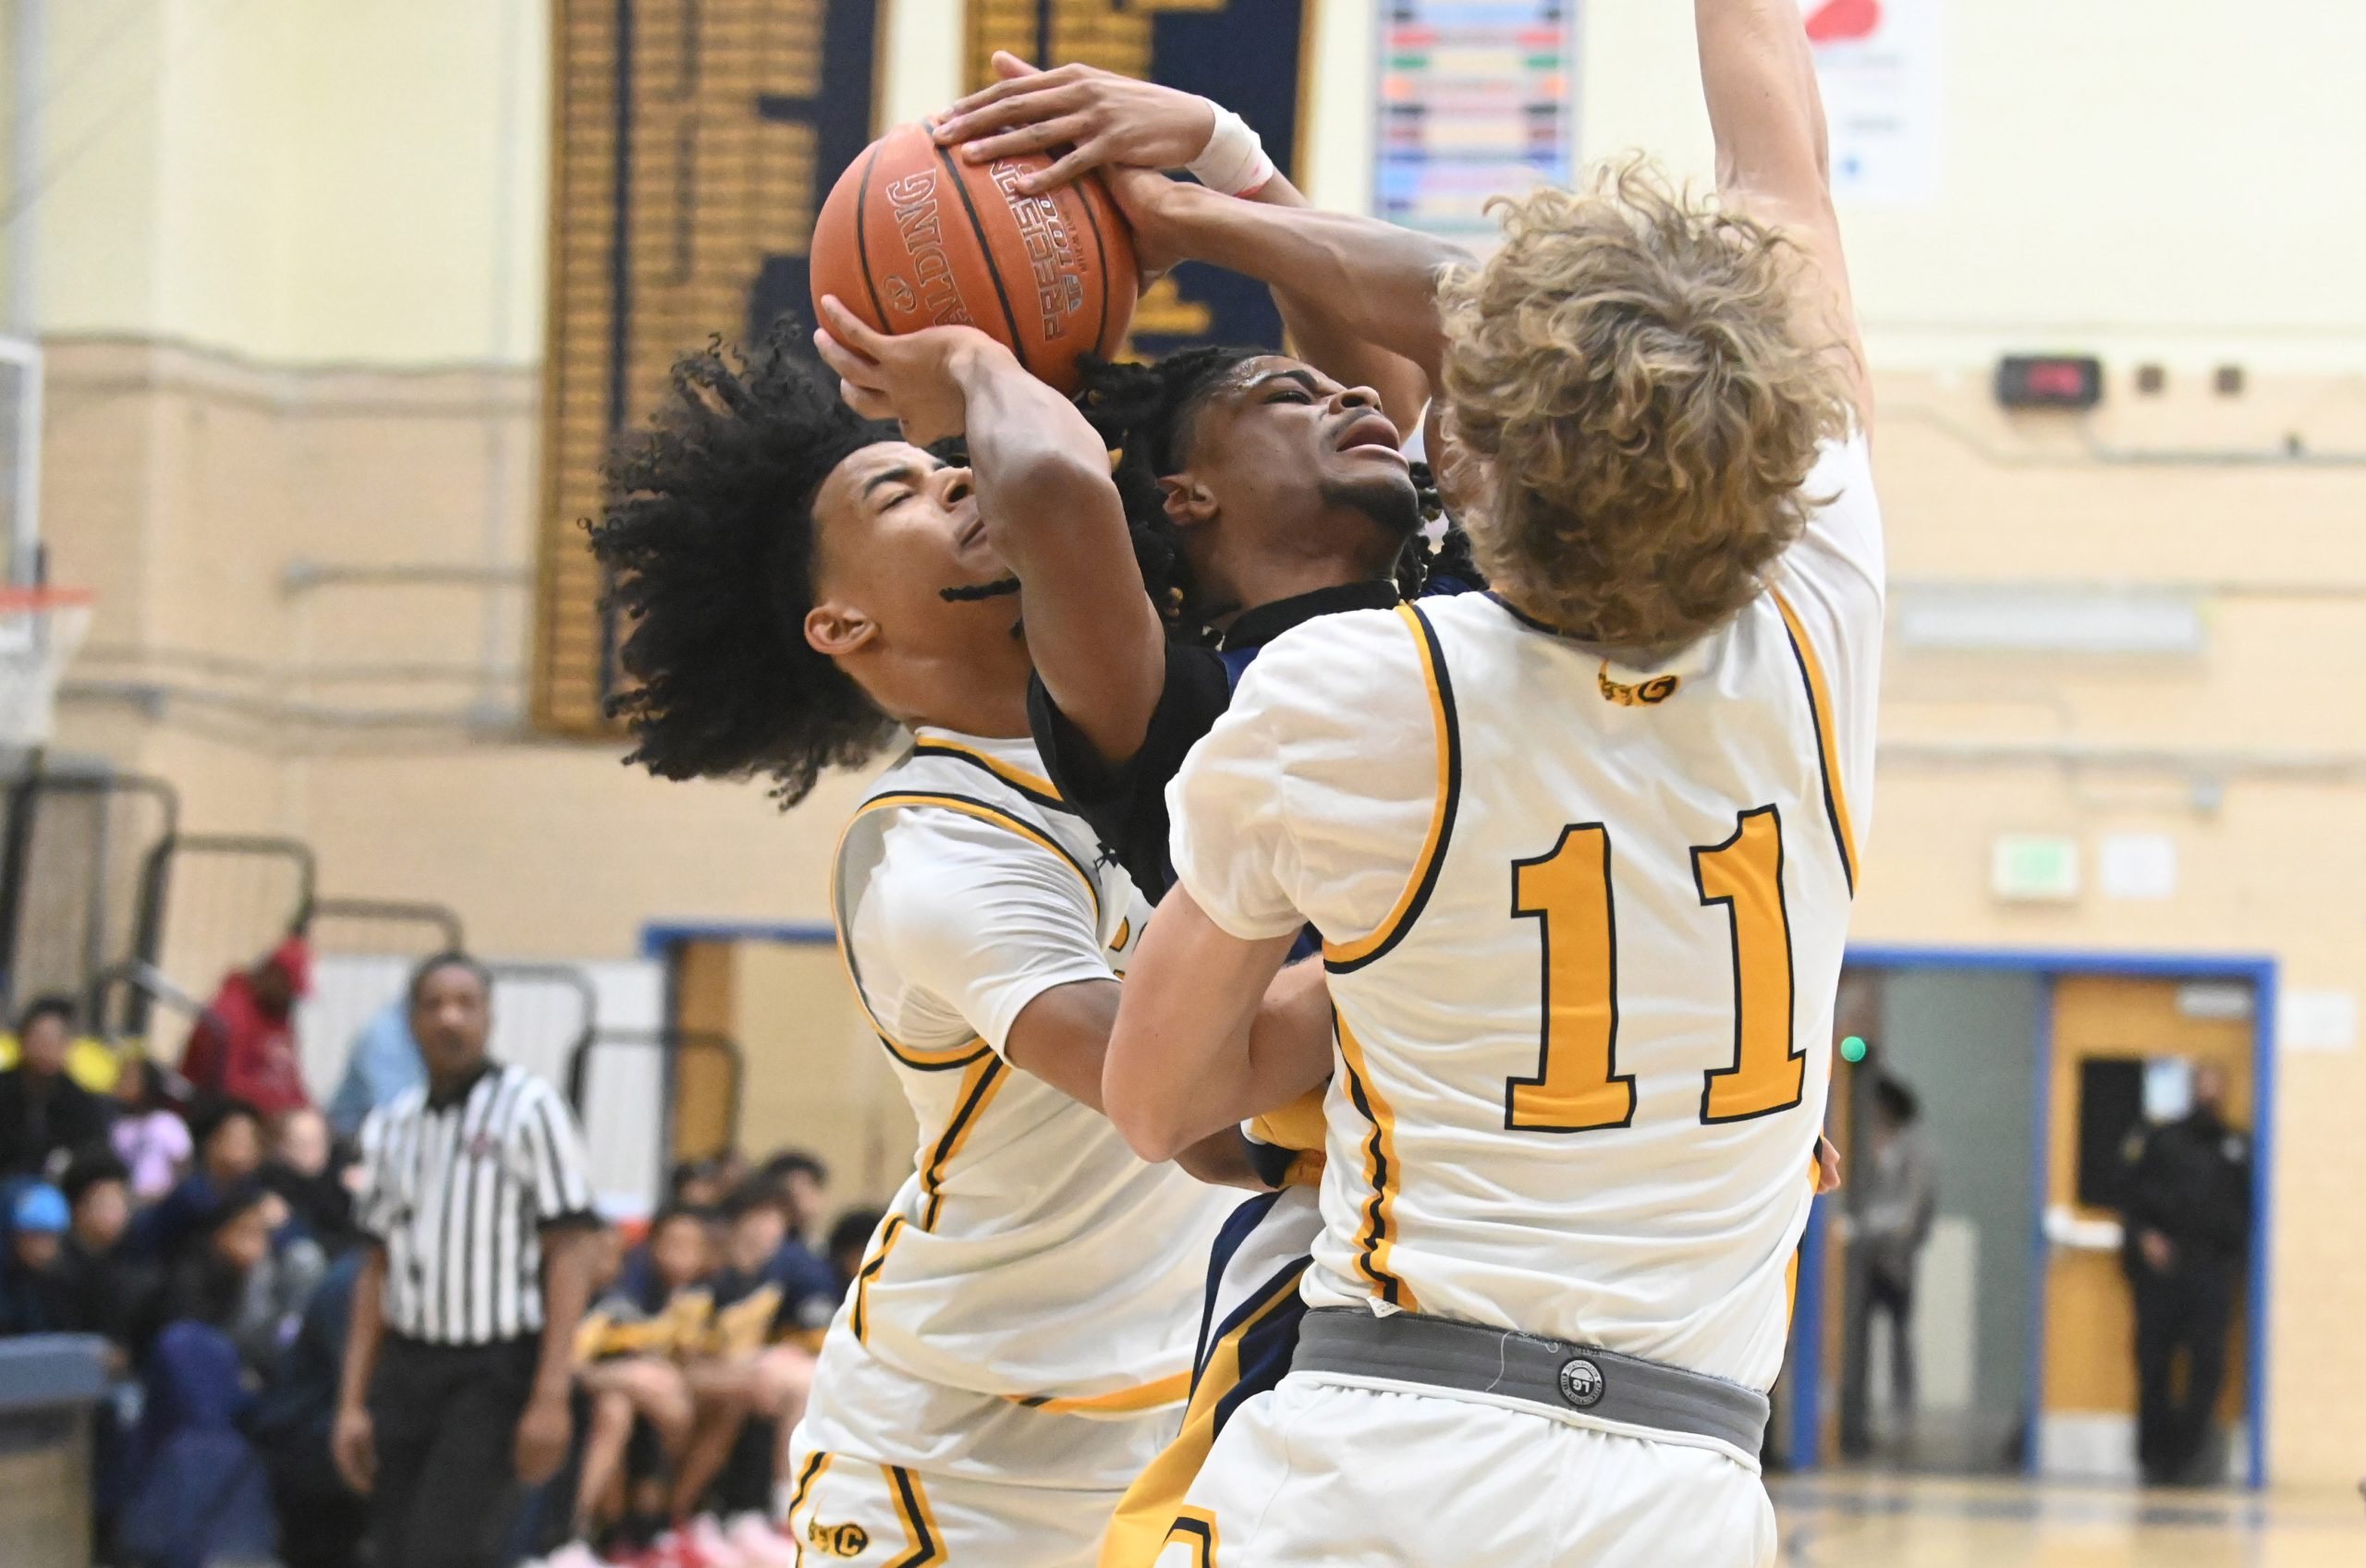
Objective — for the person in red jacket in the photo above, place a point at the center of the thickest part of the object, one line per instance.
(244, 1048)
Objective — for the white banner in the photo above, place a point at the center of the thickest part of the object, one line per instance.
(1881, 64)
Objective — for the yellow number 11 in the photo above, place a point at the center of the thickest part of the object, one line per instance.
(1577, 1086)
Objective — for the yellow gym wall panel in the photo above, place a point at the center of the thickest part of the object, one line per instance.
(817, 1076)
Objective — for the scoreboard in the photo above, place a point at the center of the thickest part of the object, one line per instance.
(1478, 98)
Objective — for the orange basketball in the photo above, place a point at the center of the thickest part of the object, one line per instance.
(914, 235)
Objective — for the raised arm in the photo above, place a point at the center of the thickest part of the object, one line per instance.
(1324, 340)
(1095, 119)
(1758, 73)
(1048, 503)
(1362, 279)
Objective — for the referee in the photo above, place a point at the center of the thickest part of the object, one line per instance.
(458, 1371)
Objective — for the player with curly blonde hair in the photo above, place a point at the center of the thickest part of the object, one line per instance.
(1635, 386)
(1581, 851)
(1630, 370)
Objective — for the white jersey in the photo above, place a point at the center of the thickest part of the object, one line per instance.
(1031, 1266)
(1585, 920)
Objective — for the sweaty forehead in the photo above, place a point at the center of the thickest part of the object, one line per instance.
(1254, 375)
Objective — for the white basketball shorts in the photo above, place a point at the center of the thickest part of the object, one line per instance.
(1346, 1476)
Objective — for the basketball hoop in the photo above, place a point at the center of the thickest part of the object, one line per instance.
(40, 629)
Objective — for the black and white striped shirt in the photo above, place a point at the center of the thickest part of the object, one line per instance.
(460, 1193)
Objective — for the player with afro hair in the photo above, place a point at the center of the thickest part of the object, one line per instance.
(800, 577)
(797, 580)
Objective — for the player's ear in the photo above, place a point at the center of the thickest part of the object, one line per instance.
(1188, 503)
(836, 630)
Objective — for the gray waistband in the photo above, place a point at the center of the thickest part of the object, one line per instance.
(1406, 1347)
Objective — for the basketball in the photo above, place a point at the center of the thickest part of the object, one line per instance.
(913, 236)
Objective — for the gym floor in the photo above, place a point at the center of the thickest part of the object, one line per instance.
(1881, 1521)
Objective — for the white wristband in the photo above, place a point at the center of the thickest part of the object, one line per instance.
(1234, 161)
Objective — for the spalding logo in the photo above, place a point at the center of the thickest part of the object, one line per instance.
(913, 201)
(838, 1541)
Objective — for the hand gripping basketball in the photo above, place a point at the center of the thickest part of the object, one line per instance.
(913, 378)
(1095, 118)
(912, 238)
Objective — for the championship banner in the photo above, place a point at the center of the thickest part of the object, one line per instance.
(693, 144)
(1249, 55)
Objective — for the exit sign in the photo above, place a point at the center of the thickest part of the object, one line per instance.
(2034, 869)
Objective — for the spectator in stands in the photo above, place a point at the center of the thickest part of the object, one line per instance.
(303, 1171)
(789, 1184)
(699, 1184)
(768, 1326)
(633, 1345)
(724, 1370)
(197, 1494)
(37, 1225)
(701, 1187)
(90, 1062)
(806, 1180)
(229, 1151)
(764, 1241)
(244, 1047)
(103, 1288)
(151, 1137)
(803, 1182)
(383, 1063)
(231, 1279)
(850, 1244)
(321, 1518)
(45, 1116)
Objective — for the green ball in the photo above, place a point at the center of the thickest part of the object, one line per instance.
(1853, 1049)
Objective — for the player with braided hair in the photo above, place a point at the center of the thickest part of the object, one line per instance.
(802, 582)
(1135, 407)
(1260, 490)
(1259, 493)
(1142, 408)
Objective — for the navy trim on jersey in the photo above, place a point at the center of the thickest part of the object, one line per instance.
(1824, 760)
(1238, 1226)
(956, 754)
(1450, 736)
(1271, 1342)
